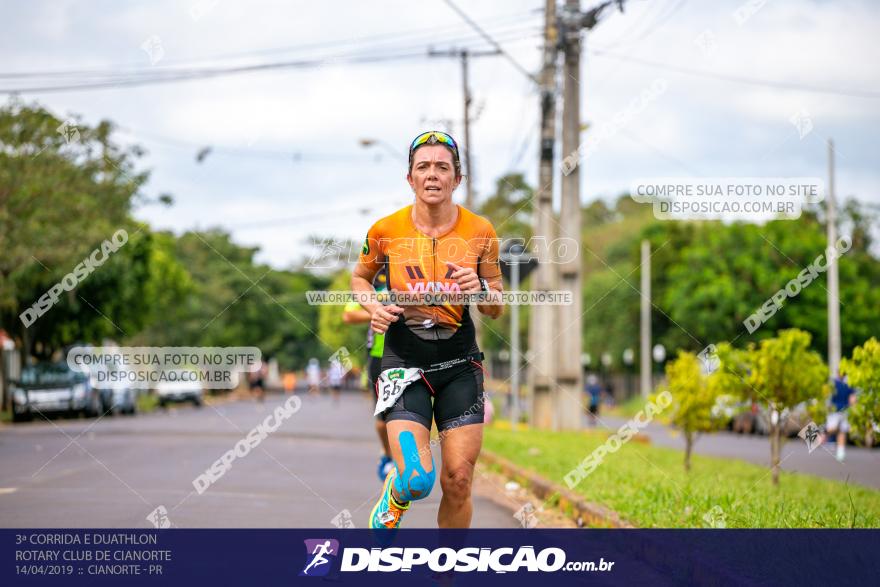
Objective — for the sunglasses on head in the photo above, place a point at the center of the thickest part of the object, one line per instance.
(439, 137)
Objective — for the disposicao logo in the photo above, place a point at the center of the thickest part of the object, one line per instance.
(319, 554)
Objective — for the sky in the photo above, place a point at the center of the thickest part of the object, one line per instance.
(287, 162)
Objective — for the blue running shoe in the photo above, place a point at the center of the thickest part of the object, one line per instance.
(387, 512)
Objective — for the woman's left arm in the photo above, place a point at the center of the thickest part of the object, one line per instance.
(489, 269)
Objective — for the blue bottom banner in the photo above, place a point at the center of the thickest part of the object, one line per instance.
(439, 557)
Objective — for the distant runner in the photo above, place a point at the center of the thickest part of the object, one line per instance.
(335, 375)
(313, 376)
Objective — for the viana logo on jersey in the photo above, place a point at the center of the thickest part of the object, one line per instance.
(433, 286)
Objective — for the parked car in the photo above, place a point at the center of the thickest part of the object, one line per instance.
(744, 421)
(53, 388)
(795, 420)
(180, 386)
(118, 396)
(105, 394)
(124, 395)
(792, 420)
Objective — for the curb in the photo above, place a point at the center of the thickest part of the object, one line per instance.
(582, 512)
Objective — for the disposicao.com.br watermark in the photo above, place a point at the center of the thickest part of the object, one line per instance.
(728, 198)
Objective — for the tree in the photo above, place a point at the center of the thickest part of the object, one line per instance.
(783, 373)
(610, 255)
(693, 400)
(708, 277)
(235, 301)
(130, 290)
(509, 209)
(863, 373)
(64, 186)
(335, 333)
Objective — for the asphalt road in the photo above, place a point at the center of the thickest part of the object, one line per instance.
(861, 465)
(115, 471)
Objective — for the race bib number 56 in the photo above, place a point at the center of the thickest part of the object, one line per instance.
(391, 384)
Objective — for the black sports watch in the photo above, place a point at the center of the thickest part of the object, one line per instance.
(484, 285)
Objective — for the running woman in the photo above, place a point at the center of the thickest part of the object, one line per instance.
(354, 313)
(432, 245)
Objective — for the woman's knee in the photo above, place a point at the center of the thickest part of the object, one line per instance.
(456, 481)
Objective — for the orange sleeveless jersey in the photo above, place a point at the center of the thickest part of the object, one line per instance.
(417, 263)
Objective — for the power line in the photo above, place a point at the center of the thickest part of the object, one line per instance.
(292, 155)
(492, 41)
(738, 78)
(382, 44)
(147, 80)
(302, 217)
(661, 19)
(527, 139)
(382, 38)
(628, 37)
(156, 77)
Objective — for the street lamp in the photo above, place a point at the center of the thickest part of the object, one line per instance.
(659, 353)
(586, 360)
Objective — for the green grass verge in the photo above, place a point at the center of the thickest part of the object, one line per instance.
(648, 486)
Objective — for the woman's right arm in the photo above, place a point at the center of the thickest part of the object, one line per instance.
(381, 316)
(362, 283)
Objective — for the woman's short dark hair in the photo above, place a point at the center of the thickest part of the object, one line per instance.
(432, 140)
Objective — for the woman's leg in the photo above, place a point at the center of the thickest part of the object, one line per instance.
(460, 447)
(411, 450)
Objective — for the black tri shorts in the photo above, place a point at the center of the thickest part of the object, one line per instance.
(452, 396)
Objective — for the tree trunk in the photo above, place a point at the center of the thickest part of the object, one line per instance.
(774, 451)
(869, 436)
(688, 447)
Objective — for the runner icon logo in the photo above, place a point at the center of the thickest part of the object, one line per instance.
(319, 554)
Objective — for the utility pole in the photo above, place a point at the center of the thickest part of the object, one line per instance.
(569, 320)
(542, 368)
(833, 282)
(465, 55)
(645, 348)
(570, 372)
